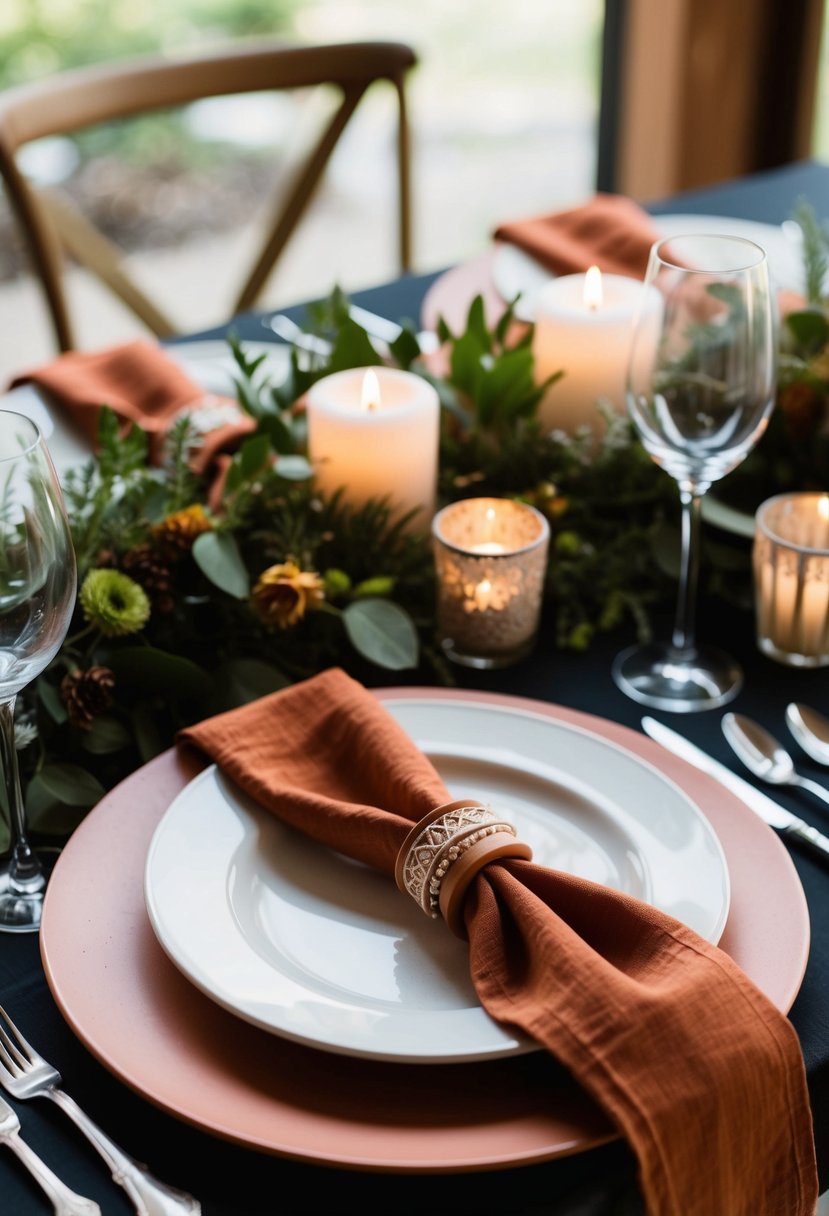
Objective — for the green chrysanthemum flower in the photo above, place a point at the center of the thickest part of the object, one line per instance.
(114, 603)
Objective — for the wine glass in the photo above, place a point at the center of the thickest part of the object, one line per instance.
(700, 389)
(37, 596)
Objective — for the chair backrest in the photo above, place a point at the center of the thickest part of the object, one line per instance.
(70, 101)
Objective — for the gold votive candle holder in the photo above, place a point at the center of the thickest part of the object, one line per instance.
(791, 578)
(491, 560)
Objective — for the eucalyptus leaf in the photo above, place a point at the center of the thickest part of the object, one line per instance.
(382, 632)
(44, 813)
(70, 784)
(217, 556)
(50, 697)
(147, 735)
(153, 670)
(106, 735)
(240, 681)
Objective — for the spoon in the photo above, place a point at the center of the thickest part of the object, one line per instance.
(761, 753)
(810, 729)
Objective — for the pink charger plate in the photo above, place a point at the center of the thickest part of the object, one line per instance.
(451, 294)
(158, 1034)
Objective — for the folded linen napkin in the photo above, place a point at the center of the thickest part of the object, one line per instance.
(694, 1065)
(142, 384)
(609, 231)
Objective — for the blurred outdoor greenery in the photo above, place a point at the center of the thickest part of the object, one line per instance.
(38, 37)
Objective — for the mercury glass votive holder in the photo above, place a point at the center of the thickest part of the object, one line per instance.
(790, 558)
(490, 559)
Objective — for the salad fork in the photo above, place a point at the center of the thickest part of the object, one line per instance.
(64, 1201)
(25, 1074)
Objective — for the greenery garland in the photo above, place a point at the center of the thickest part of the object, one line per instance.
(194, 600)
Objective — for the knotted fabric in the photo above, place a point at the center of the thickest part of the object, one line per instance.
(609, 231)
(691, 1062)
(142, 384)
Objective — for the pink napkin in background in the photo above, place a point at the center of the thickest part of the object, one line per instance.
(142, 384)
(610, 231)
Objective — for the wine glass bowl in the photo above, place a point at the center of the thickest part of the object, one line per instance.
(37, 597)
(700, 390)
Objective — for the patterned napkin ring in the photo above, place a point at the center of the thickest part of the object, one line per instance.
(444, 851)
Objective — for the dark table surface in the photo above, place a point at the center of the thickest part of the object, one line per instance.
(233, 1181)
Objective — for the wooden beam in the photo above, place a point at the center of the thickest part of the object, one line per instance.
(710, 90)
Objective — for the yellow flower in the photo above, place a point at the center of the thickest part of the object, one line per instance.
(176, 533)
(284, 593)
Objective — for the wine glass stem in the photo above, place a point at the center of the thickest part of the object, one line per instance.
(690, 497)
(25, 871)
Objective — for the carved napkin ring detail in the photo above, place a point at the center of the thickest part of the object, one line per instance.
(446, 849)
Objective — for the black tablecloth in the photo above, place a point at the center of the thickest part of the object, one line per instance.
(231, 1181)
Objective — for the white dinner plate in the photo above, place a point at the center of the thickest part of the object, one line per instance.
(310, 945)
(515, 272)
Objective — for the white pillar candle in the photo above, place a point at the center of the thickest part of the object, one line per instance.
(374, 433)
(791, 573)
(583, 328)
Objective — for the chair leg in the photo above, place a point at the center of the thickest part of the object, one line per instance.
(404, 180)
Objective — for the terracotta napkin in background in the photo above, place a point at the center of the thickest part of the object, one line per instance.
(694, 1065)
(141, 383)
(610, 231)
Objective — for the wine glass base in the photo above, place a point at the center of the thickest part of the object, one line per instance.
(20, 910)
(681, 681)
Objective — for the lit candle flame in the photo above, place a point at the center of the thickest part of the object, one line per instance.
(489, 516)
(823, 507)
(370, 398)
(483, 595)
(593, 294)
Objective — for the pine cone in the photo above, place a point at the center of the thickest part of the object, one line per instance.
(86, 694)
(150, 570)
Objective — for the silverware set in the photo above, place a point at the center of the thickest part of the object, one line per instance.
(766, 757)
(25, 1074)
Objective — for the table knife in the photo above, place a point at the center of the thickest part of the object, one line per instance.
(770, 811)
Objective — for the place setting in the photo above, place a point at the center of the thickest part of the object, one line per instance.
(326, 858)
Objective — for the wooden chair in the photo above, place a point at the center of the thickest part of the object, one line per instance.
(72, 100)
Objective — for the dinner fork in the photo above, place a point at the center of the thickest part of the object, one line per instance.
(25, 1074)
(64, 1201)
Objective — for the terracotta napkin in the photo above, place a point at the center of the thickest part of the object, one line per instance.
(694, 1065)
(143, 385)
(609, 231)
